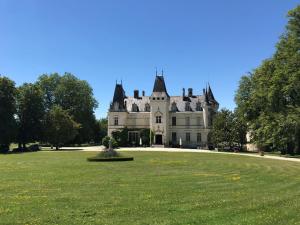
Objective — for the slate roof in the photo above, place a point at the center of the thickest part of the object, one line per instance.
(141, 102)
(119, 97)
(159, 85)
(126, 103)
(180, 103)
(210, 94)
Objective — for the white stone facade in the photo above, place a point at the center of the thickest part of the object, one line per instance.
(171, 118)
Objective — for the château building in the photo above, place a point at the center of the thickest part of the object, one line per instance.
(184, 119)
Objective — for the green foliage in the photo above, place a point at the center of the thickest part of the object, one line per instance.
(145, 135)
(7, 111)
(105, 142)
(48, 84)
(121, 137)
(75, 96)
(100, 130)
(227, 130)
(60, 127)
(269, 99)
(30, 113)
(108, 154)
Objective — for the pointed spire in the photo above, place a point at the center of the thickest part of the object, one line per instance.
(155, 71)
(206, 97)
(210, 94)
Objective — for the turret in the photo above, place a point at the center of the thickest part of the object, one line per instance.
(159, 121)
(118, 104)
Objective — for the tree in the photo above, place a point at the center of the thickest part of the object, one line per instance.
(269, 99)
(75, 96)
(100, 130)
(30, 113)
(48, 84)
(7, 112)
(221, 133)
(60, 127)
(239, 130)
(228, 130)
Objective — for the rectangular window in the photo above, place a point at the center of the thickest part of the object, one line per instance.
(187, 121)
(133, 137)
(158, 119)
(174, 138)
(173, 121)
(199, 138)
(116, 121)
(188, 137)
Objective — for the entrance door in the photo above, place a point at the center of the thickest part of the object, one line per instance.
(158, 139)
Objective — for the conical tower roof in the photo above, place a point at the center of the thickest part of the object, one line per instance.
(159, 84)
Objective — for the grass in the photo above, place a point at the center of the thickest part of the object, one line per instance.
(156, 188)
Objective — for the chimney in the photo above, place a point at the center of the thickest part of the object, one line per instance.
(143, 93)
(183, 92)
(136, 94)
(190, 92)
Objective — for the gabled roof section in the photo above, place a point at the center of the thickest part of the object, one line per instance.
(159, 85)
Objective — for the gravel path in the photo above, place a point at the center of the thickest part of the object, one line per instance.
(99, 148)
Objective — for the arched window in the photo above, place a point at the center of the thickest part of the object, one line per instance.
(147, 107)
(199, 107)
(135, 108)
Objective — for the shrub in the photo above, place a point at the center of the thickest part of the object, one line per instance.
(105, 142)
(34, 148)
(4, 148)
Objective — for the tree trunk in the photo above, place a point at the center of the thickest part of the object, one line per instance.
(57, 147)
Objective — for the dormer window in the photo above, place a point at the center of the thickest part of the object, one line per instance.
(147, 107)
(188, 106)
(135, 108)
(199, 107)
(174, 107)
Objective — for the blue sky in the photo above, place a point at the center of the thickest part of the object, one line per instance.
(193, 41)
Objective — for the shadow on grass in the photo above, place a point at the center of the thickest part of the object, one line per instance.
(61, 149)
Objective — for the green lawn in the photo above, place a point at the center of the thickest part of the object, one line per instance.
(156, 188)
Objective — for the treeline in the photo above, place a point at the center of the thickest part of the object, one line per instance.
(268, 99)
(228, 131)
(56, 109)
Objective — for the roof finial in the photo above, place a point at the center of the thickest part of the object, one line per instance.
(162, 72)
(155, 71)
